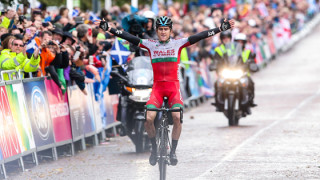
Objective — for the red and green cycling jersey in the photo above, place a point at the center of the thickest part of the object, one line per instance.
(165, 57)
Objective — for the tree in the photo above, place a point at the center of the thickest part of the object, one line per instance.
(53, 2)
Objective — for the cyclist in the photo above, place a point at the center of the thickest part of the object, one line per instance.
(165, 59)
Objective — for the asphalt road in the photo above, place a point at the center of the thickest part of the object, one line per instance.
(280, 140)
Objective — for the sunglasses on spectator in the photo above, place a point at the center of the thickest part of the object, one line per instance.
(21, 45)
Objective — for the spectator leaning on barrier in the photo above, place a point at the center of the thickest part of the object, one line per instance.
(15, 58)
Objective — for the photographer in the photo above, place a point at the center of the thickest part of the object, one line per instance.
(53, 59)
(149, 26)
(85, 36)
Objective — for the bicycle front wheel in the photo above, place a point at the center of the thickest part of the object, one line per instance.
(163, 153)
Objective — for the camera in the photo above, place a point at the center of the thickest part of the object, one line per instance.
(22, 18)
(77, 48)
(45, 24)
(50, 43)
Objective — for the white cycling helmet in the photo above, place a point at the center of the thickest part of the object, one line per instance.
(240, 37)
(149, 15)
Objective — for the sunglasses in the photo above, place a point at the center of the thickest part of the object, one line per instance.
(21, 45)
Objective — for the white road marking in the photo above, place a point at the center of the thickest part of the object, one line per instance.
(230, 155)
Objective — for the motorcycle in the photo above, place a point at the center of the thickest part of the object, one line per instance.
(136, 87)
(232, 85)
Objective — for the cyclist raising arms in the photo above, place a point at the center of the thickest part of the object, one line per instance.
(165, 59)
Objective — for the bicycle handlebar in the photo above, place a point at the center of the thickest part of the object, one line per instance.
(164, 109)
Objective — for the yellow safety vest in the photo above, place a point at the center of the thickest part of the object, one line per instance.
(245, 55)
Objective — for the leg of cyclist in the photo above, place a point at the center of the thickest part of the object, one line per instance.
(176, 131)
(175, 101)
(155, 101)
(149, 125)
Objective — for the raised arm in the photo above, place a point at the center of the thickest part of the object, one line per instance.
(205, 34)
(122, 34)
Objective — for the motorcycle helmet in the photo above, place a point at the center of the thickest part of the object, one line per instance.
(164, 21)
(149, 15)
(225, 34)
(241, 37)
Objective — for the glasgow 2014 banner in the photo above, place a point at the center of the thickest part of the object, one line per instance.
(9, 141)
(109, 109)
(20, 115)
(59, 110)
(37, 102)
(89, 123)
(1, 158)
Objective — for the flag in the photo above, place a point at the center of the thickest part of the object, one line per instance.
(100, 87)
(32, 45)
(75, 13)
(119, 53)
(134, 9)
(154, 7)
(93, 17)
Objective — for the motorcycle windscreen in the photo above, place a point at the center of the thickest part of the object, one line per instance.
(234, 51)
(140, 71)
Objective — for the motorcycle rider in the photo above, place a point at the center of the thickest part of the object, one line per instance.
(165, 58)
(247, 57)
(218, 62)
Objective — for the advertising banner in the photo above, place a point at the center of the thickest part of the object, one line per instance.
(193, 85)
(37, 103)
(89, 123)
(9, 141)
(1, 158)
(81, 111)
(109, 108)
(96, 108)
(205, 82)
(20, 115)
(77, 112)
(59, 109)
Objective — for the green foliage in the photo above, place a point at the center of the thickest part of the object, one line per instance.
(53, 2)
(7, 2)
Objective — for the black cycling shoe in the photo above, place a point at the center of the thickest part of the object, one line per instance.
(173, 159)
(153, 159)
(123, 131)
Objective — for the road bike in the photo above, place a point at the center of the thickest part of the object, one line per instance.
(162, 135)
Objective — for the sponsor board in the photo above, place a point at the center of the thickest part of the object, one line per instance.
(9, 141)
(77, 112)
(89, 123)
(96, 109)
(59, 111)
(20, 115)
(37, 103)
(110, 117)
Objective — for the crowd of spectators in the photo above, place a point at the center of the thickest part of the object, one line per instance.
(68, 47)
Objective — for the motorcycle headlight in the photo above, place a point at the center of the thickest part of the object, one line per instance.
(232, 74)
(141, 95)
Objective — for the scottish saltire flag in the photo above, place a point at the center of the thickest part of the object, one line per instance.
(32, 45)
(75, 13)
(119, 53)
(93, 16)
(154, 7)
